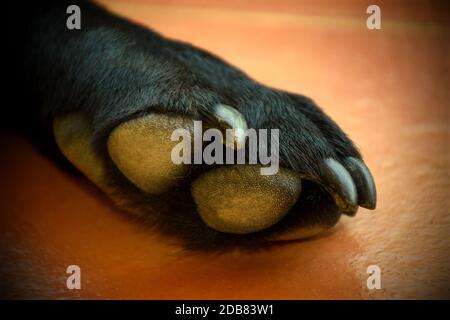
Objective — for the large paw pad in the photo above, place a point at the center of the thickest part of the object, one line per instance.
(141, 149)
(238, 199)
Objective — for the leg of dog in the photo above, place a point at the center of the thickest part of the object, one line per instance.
(114, 92)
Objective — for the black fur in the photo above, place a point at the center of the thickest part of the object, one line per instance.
(115, 70)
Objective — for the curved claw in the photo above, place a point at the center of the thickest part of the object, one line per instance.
(365, 185)
(226, 117)
(338, 181)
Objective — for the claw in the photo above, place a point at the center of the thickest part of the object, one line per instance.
(226, 117)
(367, 193)
(338, 181)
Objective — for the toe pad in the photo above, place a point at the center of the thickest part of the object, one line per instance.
(141, 149)
(237, 199)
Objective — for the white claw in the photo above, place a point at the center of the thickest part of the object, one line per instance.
(232, 118)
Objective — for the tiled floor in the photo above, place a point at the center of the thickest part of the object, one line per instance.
(388, 89)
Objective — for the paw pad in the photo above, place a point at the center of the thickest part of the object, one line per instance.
(141, 149)
(238, 199)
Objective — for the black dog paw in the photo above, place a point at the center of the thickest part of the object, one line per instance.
(223, 204)
(123, 90)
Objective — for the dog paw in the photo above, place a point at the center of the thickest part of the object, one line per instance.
(212, 204)
(121, 136)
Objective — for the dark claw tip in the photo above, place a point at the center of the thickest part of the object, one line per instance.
(365, 185)
(338, 181)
